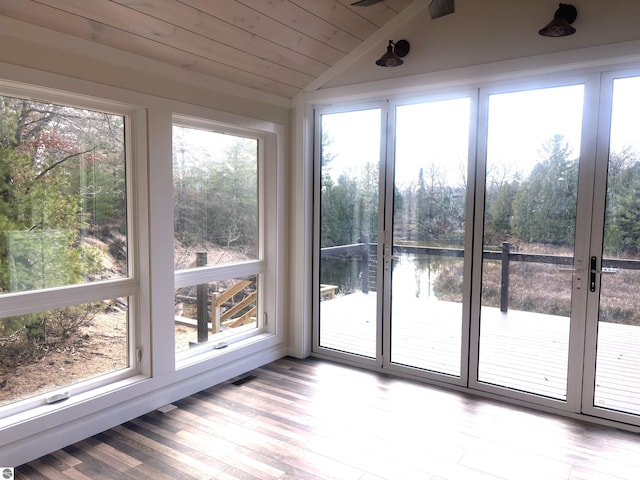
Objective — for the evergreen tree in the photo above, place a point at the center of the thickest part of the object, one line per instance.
(502, 209)
(544, 208)
(422, 208)
(48, 202)
(439, 208)
(41, 200)
(623, 188)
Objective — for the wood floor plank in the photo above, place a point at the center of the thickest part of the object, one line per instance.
(27, 472)
(179, 459)
(315, 420)
(74, 474)
(65, 458)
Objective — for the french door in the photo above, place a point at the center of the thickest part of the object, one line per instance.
(535, 170)
(426, 253)
(489, 239)
(348, 203)
(392, 249)
(612, 377)
(556, 317)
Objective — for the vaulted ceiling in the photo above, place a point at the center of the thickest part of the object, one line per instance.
(274, 46)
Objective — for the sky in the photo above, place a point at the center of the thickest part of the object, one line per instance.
(354, 140)
(427, 132)
(433, 135)
(520, 123)
(625, 128)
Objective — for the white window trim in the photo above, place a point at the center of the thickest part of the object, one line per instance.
(132, 286)
(270, 242)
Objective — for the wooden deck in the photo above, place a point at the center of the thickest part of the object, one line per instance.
(518, 350)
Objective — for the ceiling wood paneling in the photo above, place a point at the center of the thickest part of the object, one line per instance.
(274, 46)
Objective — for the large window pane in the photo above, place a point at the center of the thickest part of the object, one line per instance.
(215, 311)
(349, 173)
(63, 223)
(216, 226)
(617, 380)
(529, 235)
(215, 178)
(432, 144)
(62, 199)
(44, 351)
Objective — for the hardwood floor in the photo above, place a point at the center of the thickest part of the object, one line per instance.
(312, 419)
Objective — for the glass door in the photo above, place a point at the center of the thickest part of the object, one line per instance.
(528, 260)
(612, 378)
(537, 300)
(429, 234)
(348, 221)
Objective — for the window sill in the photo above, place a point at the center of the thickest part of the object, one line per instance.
(62, 408)
(234, 350)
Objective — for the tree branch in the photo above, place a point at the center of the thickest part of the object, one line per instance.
(62, 160)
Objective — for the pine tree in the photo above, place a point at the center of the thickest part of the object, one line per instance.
(544, 208)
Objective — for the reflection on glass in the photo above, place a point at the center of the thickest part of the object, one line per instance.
(49, 350)
(214, 311)
(530, 208)
(63, 196)
(617, 385)
(350, 159)
(215, 179)
(432, 143)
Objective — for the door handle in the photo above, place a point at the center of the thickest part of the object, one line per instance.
(387, 260)
(606, 270)
(595, 271)
(577, 271)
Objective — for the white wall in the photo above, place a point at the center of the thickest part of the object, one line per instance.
(482, 32)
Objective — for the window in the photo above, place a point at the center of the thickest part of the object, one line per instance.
(217, 238)
(66, 276)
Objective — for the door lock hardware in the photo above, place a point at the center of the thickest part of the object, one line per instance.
(595, 270)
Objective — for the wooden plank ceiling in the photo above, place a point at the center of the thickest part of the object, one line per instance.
(274, 46)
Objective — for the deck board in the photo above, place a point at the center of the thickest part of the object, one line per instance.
(519, 350)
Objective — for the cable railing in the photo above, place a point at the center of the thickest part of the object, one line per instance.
(365, 251)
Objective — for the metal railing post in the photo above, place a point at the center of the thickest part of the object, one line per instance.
(365, 264)
(504, 280)
(201, 302)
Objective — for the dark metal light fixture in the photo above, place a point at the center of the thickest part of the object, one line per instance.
(395, 52)
(560, 26)
(440, 8)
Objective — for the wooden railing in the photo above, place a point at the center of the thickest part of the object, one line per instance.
(504, 255)
(242, 312)
(236, 315)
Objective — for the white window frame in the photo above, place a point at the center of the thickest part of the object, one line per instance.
(134, 286)
(264, 267)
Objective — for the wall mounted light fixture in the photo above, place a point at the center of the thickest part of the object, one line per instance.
(394, 54)
(560, 26)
